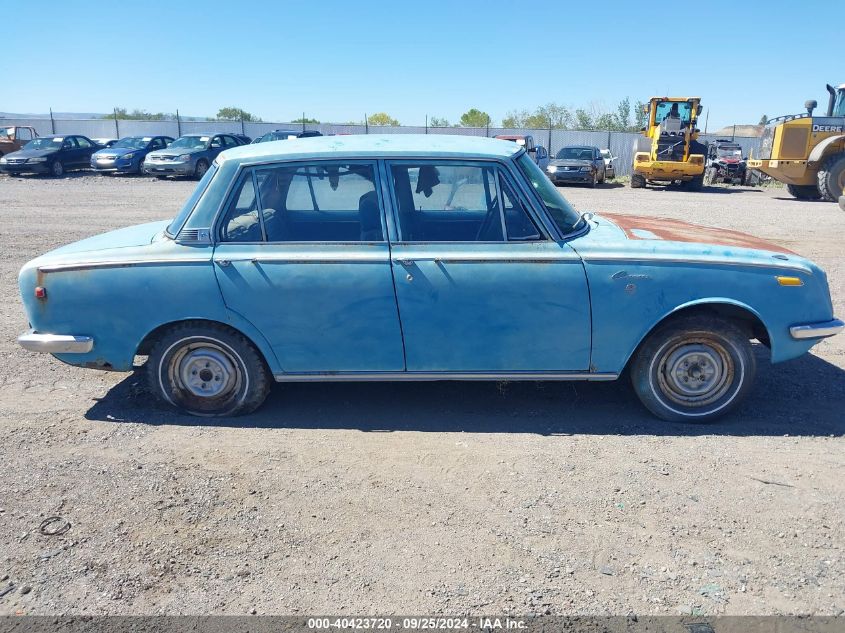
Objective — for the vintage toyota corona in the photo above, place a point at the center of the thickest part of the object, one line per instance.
(363, 258)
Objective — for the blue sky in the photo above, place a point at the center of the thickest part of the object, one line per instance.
(337, 60)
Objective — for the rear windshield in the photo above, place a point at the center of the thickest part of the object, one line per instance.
(174, 227)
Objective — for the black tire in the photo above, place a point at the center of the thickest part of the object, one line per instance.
(201, 168)
(141, 171)
(592, 183)
(637, 181)
(804, 192)
(672, 361)
(57, 169)
(831, 178)
(695, 183)
(207, 369)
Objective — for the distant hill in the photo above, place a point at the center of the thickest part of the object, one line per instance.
(741, 130)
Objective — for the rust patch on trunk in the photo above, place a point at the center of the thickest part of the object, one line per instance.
(680, 231)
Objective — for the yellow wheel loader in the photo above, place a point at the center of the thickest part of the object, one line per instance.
(807, 152)
(668, 150)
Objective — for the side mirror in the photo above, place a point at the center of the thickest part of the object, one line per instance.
(531, 149)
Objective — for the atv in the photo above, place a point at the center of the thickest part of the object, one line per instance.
(724, 163)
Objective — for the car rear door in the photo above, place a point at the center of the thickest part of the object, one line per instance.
(480, 288)
(302, 255)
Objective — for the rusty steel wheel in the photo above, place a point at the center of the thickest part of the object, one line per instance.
(694, 369)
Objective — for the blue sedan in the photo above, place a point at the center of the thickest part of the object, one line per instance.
(127, 155)
(418, 258)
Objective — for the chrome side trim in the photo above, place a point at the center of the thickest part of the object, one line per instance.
(701, 262)
(499, 258)
(321, 258)
(54, 268)
(401, 376)
(56, 343)
(817, 330)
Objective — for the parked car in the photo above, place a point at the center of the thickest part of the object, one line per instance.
(104, 141)
(14, 137)
(539, 153)
(579, 164)
(127, 155)
(414, 257)
(724, 163)
(245, 140)
(50, 155)
(283, 135)
(609, 167)
(189, 155)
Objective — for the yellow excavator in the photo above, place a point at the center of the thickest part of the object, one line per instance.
(668, 150)
(805, 151)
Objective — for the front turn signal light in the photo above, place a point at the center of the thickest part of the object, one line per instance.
(790, 281)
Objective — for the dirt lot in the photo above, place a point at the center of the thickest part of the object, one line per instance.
(417, 498)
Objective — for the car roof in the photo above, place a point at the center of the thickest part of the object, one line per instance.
(579, 147)
(375, 146)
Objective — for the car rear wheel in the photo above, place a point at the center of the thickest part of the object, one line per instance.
(57, 168)
(208, 370)
(694, 369)
(200, 169)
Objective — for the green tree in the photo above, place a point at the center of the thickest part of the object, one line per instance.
(515, 118)
(640, 115)
(303, 120)
(381, 118)
(622, 117)
(138, 115)
(475, 118)
(235, 114)
(583, 119)
(763, 120)
(437, 121)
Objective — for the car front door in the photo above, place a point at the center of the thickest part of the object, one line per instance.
(69, 154)
(215, 146)
(480, 288)
(302, 255)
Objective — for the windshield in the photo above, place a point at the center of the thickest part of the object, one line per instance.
(575, 153)
(7, 131)
(839, 106)
(45, 143)
(682, 110)
(727, 151)
(278, 136)
(133, 142)
(190, 142)
(564, 216)
(174, 227)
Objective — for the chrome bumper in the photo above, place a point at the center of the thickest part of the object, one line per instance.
(817, 330)
(56, 343)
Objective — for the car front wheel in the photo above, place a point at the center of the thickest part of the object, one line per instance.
(57, 168)
(208, 370)
(200, 169)
(694, 369)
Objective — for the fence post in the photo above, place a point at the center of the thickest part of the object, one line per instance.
(116, 125)
(608, 141)
(178, 124)
(243, 129)
(487, 132)
(52, 123)
(303, 121)
(366, 124)
(426, 124)
(549, 148)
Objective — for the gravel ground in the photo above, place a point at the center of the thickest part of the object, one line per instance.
(417, 498)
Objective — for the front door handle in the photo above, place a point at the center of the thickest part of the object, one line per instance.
(404, 262)
(224, 262)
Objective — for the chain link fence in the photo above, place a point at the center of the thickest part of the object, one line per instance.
(620, 144)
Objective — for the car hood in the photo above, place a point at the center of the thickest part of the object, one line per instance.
(31, 153)
(569, 162)
(617, 237)
(176, 151)
(116, 151)
(105, 246)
